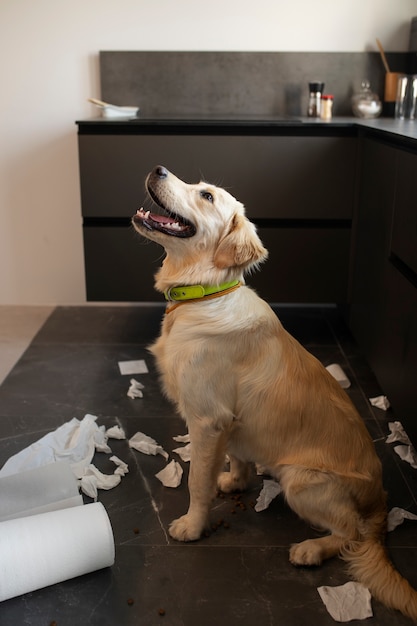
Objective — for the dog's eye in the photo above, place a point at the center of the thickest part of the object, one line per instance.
(207, 196)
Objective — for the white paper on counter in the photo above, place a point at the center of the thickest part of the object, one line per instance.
(171, 475)
(133, 367)
(147, 445)
(338, 374)
(39, 490)
(46, 549)
(347, 602)
(270, 490)
(73, 442)
(396, 517)
(135, 389)
(381, 402)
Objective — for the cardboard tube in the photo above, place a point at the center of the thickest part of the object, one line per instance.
(391, 81)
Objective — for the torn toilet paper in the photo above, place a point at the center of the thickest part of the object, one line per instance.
(270, 490)
(116, 432)
(122, 468)
(338, 374)
(184, 452)
(381, 402)
(397, 433)
(407, 454)
(135, 389)
(93, 479)
(347, 602)
(396, 517)
(171, 475)
(407, 451)
(182, 438)
(147, 445)
(75, 442)
(133, 367)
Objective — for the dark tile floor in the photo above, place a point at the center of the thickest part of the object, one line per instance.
(237, 575)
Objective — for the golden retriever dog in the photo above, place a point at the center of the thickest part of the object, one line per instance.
(248, 389)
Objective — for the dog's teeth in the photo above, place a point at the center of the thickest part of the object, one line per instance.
(146, 214)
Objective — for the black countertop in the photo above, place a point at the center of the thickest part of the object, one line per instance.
(398, 131)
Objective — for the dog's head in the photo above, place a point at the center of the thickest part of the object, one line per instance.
(203, 229)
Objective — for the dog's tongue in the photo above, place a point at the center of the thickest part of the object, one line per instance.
(161, 219)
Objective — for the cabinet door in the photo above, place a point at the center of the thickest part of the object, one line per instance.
(274, 177)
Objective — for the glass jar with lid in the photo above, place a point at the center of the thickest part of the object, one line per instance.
(366, 103)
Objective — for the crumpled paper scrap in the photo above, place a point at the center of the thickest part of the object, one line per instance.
(171, 475)
(133, 367)
(182, 438)
(135, 389)
(93, 479)
(347, 602)
(270, 490)
(407, 451)
(338, 374)
(74, 442)
(147, 445)
(122, 468)
(396, 517)
(381, 402)
(184, 452)
(397, 433)
(116, 432)
(407, 454)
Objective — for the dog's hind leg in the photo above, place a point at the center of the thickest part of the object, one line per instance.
(236, 479)
(208, 450)
(320, 499)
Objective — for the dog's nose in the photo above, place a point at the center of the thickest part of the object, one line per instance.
(161, 171)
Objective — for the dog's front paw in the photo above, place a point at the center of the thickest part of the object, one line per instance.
(186, 529)
(227, 483)
(305, 553)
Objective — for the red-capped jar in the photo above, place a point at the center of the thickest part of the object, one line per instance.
(326, 109)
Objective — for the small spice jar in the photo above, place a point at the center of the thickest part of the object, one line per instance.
(326, 107)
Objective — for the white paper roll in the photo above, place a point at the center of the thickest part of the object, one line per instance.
(39, 490)
(46, 549)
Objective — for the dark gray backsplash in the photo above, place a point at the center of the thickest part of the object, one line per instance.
(270, 83)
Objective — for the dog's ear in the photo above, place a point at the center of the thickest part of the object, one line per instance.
(240, 247)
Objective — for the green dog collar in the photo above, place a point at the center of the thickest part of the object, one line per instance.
(194, 292)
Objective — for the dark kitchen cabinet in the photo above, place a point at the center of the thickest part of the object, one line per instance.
(383, 309)
(298, 189)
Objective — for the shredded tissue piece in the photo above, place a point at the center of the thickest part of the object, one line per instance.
(396, 517)
(182, 438)
(147, 445)
(93, 479)
(122, 468)
(135, 389)
(116, 432)
(407, 454)
(381, 402)
(171, 475)
(347, 602)
(74, 442)
(407, 451)
(133, 367)
(397, 433)
(270, 489)
(184, 452)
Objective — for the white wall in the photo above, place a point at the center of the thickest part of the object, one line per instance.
(49, 67)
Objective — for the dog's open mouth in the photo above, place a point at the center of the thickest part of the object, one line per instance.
(168, 223)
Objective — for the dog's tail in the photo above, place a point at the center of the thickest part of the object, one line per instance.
(369, 564)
